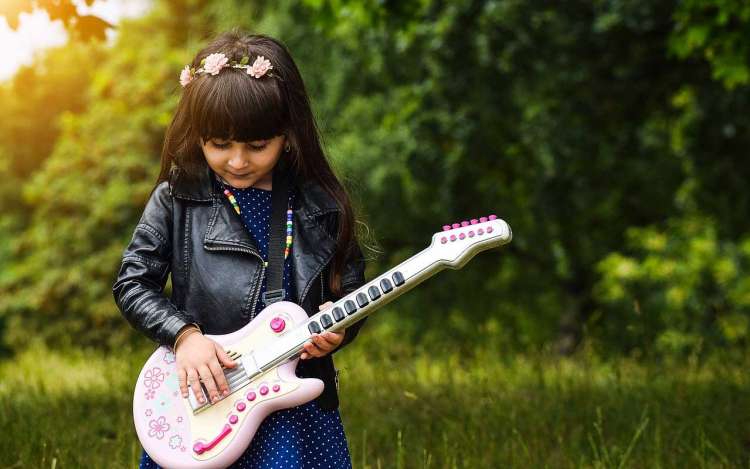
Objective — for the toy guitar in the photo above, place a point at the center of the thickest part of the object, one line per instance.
(181, 433)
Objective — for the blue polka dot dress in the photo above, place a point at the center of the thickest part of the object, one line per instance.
(300, 437)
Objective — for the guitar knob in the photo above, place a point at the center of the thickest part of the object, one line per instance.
(233, 419)
(443, 240)
(446, 227)
(489, 229)
(482, 219)
(276, 388)
(464, 223)
(474, 221)
(471, 233)
(461, 236)
(251, 396)
(493, 217)
(453, 237)
(456, 225)
(263, 390)
(277, 324)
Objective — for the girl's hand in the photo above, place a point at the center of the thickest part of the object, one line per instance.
(322, 344)
(198, 356)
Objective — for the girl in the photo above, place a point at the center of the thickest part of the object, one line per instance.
(244, 119)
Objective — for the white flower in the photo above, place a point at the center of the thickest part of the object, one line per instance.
(214, 63)
(260, 67)
(185, 76)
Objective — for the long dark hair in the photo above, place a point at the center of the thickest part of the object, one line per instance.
(233, 105)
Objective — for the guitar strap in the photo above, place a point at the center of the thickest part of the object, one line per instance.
(277, 236)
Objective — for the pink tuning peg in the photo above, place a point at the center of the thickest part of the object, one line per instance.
(493, 217)
(474, 221)
(456, 225)
(482, 219)
(464, 223)
(446, 227)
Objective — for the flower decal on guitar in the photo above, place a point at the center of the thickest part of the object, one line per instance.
(158, 427)
(153, 378)
(175, 441)
(169, 357)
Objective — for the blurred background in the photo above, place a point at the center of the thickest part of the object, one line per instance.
(611, 135)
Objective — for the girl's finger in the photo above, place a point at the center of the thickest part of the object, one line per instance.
(193, 382)
(182, 380)
(333, 338)
(323, 343)
(312, 350)
(222, 387)
(208, 382)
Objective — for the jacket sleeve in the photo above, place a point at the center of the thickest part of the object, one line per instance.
(352, 279)
(138, 289)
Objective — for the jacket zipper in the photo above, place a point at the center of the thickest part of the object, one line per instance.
(302, 298)
(256, 293)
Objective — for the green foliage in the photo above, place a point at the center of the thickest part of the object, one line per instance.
(680, 289)
(588, 128)
(716, 31)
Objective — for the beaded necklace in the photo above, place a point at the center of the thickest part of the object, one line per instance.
(289, 213)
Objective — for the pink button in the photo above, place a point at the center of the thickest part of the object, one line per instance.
(453, 237)
(493, 217)
(471, 233)
(251, 396)
(446, 227)
(483, 219)
(443, 240)
(233, 419)
(461, 236)
(277, 324)
(489, 229)
(456, 225)
(464, 223)
(474, 221)
(480, 231)
(240, 406)
(276, 388)
(263, 390)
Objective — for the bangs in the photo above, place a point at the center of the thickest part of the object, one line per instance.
(235, 106)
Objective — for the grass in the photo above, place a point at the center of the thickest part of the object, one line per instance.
(405, 407)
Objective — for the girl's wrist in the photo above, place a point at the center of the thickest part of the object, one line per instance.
(186, 331)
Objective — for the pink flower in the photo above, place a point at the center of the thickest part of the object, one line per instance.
(153, 378)
(260, 67)
(158, 427)
(214, 63)
(185, 76)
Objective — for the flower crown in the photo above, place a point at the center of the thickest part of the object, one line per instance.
(215, 62)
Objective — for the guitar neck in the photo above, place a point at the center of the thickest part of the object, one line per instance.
(452, 248)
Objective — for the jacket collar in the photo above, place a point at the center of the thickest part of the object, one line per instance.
(313, 199)
(313, 246)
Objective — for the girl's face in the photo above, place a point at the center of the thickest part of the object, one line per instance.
(244, 164)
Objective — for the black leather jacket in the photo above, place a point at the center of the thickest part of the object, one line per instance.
(192, 231)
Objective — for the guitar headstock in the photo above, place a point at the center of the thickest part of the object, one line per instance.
(459, 242)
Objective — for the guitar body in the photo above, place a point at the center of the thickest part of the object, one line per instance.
(171, 432)
(182, 433)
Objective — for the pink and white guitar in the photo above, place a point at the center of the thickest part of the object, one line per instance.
(181, 433)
